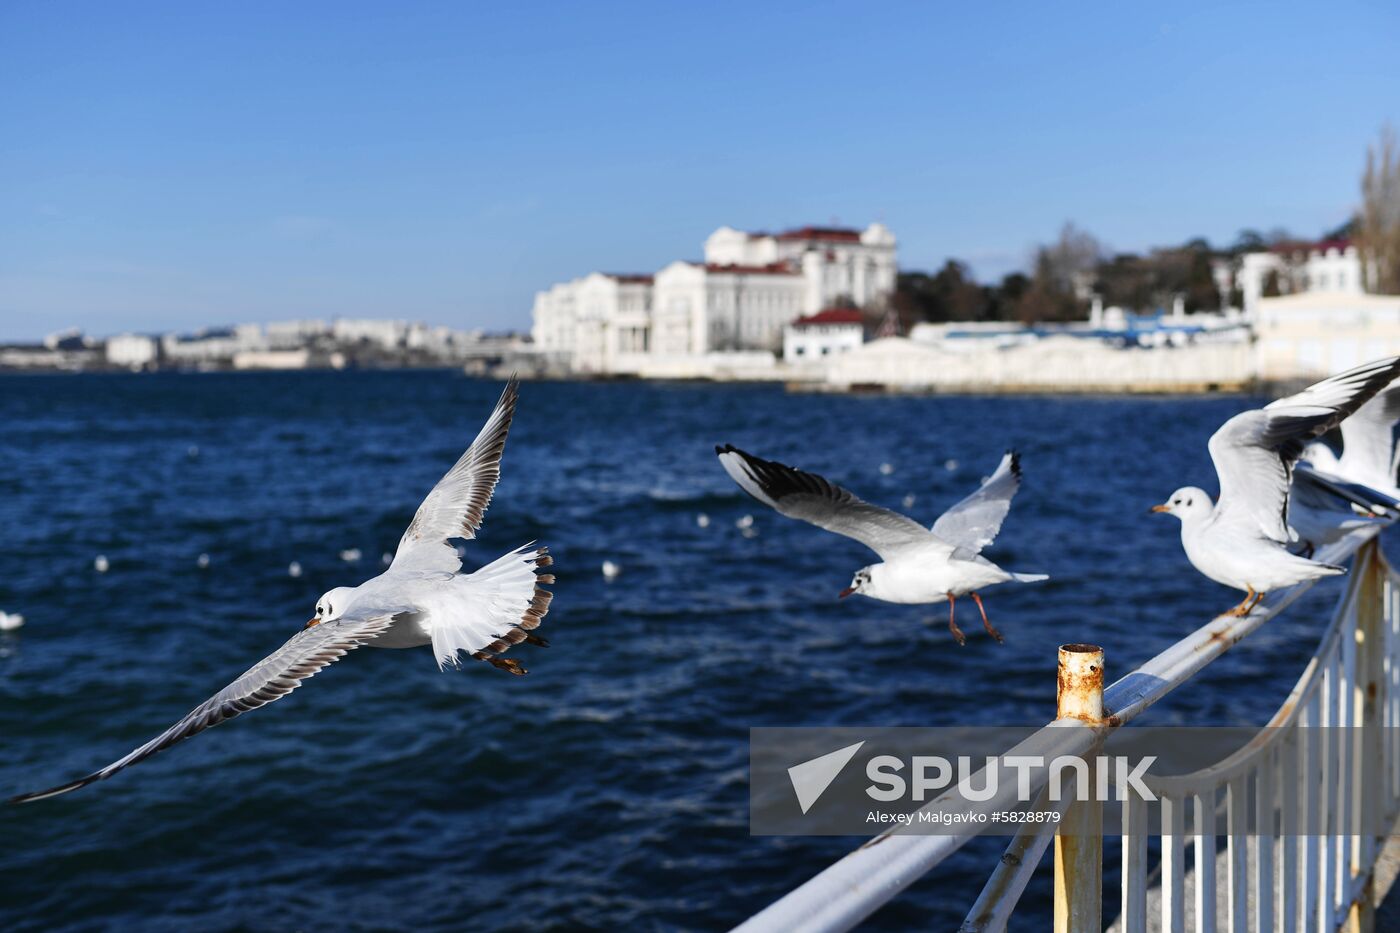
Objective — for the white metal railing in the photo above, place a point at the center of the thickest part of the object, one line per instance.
(1294, 881)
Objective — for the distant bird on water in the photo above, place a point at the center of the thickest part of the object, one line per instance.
(1241, 540)
(917, 565)
(424, 598)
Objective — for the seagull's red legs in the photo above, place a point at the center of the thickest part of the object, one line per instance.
(985, 623)
(952, 625)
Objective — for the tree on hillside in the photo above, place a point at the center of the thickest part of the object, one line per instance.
(950, 294)
(1062, 277)
(1378, 227)
(1345, 231)
(1248, 241)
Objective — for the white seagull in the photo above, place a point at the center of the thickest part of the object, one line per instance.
(1331, 494)
(1241, 540)
(917, 565)
(423, 598)
(1369, 453)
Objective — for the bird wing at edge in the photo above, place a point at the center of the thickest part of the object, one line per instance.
(1254, 451)
(272, 678)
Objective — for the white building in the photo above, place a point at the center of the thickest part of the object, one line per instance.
(272, 359)
(1328, 266)
(1314, 333)
(591, 323)
(839, 265)
(390, 335)
(835, 330)
(131, 350)
(750, 286)
(698, 308)
(212, 345)
(289, 335)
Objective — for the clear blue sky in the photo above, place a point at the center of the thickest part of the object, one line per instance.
(170, 165)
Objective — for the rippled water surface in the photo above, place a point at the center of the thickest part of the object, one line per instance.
(608, 789)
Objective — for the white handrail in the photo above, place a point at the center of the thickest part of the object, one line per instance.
(851, 889)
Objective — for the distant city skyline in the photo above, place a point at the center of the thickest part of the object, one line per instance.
(167, 166)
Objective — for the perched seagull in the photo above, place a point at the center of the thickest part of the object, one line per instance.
(424, 598)
(917, 566)
(1241, 540)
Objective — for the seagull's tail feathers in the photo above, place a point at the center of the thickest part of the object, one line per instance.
(486, 613)
(1029, 577)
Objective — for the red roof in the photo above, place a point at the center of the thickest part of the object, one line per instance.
(822, 234)
(774, 268)
(831, 316)
(626, 277)
(1341, 244)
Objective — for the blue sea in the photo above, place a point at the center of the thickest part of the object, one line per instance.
(608, 789)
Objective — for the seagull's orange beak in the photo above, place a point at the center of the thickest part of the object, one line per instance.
(1159, 508)
(315, 620)
(846, 592)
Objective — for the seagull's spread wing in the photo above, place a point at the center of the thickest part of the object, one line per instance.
(1368, 439)
(270, 679)
(457, 503)
(1254, 451)
(973, 523)
(811, 498)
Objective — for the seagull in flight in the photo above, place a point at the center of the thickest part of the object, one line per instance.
(916, 565)
(1333, 495)
(422, 599)
(1242, 540)
(1369, 453)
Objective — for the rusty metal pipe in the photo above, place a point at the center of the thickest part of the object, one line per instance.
(1079, 840)
(1080, 683)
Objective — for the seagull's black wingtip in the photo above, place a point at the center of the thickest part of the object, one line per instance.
(725, 449)
(1015, 456)
(52, 791)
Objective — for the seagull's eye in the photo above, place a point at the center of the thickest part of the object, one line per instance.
(1176, 502)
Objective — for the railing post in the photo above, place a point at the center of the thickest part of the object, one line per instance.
(1079, 840)
(1370, 779)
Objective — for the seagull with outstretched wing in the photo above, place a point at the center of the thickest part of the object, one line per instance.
(1369, 455)
(917, 565)
(423, 598)
(1242, 539)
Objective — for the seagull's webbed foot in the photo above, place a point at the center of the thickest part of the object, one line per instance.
(1242, 609)
(952, 624)
(986, 623)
